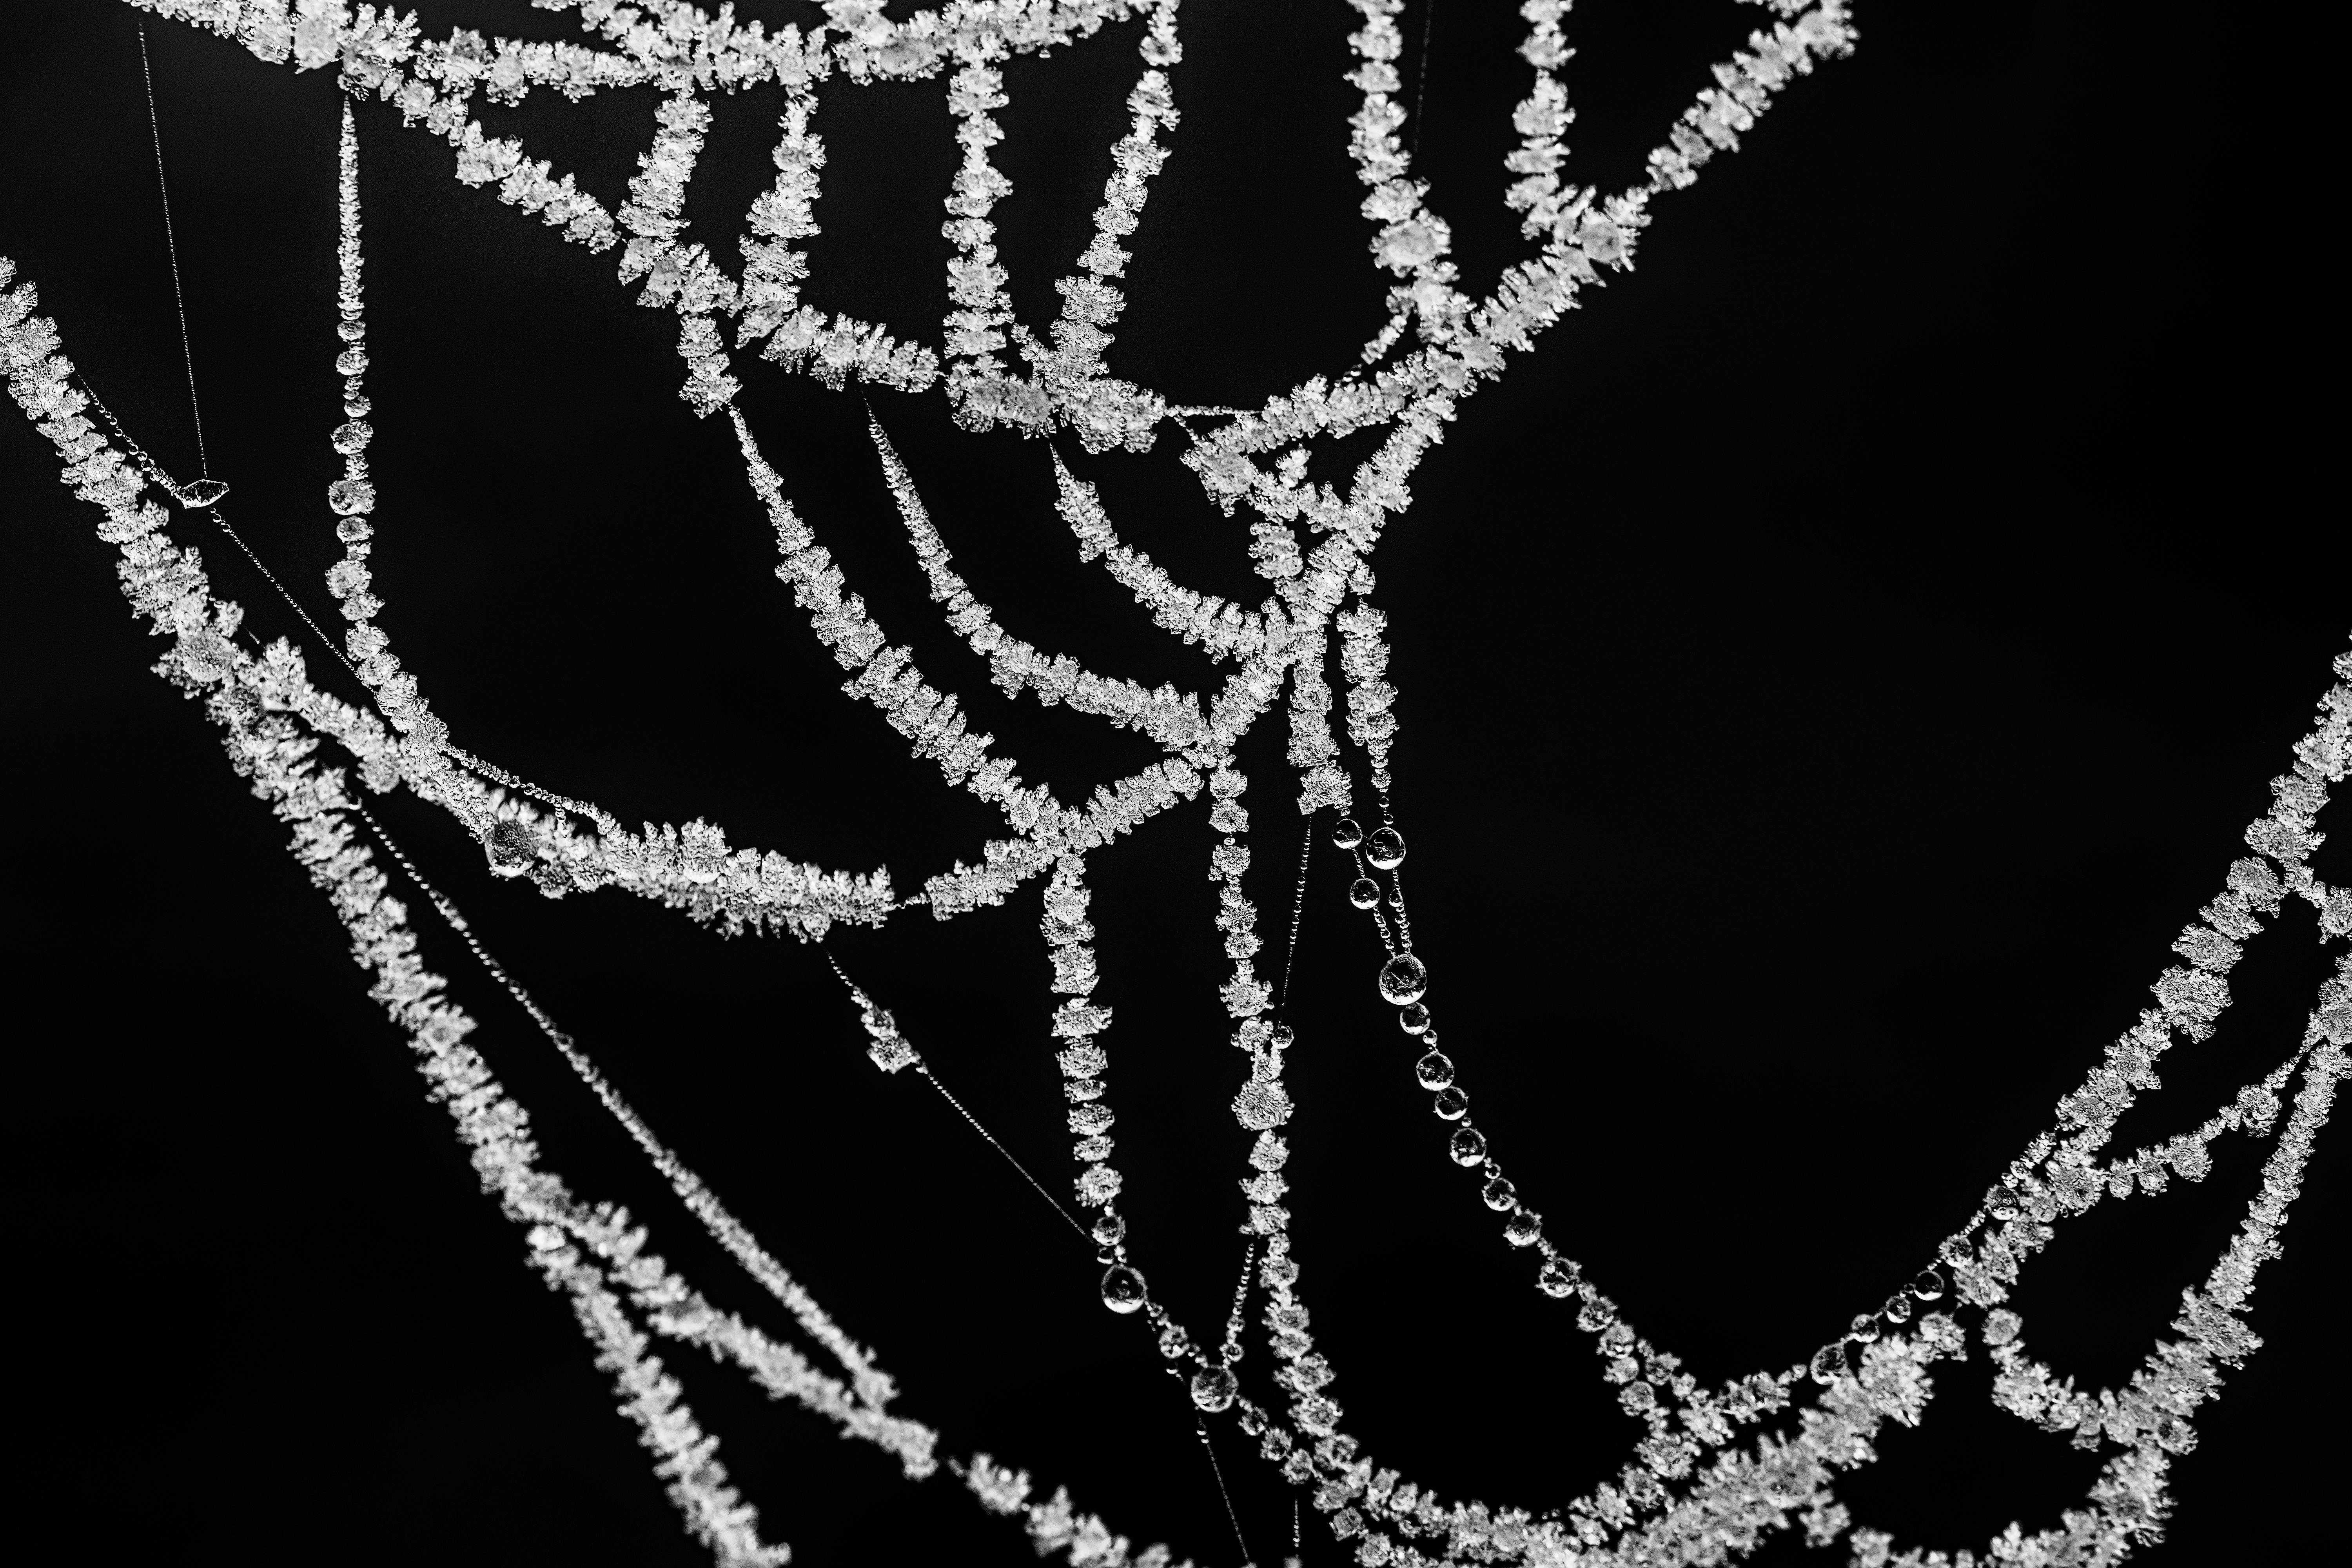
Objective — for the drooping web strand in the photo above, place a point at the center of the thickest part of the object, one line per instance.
(592, 1253)
(1313, 545)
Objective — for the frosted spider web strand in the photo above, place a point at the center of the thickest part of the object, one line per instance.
(1224, 629)
(349, 212)
(886, 678)
(1365, 671)
(275, 676)
(874, 1385)
(2151, 1419)
(1107, 412)
(800, 336)
(1171, 718)
(891, 1051)
(1467, 343)
(974, 331)
(691, 867)
(1070, 381)
(374, 50)
(1079, 1024)
(2319, 758)
(167, 584)
(264, 701)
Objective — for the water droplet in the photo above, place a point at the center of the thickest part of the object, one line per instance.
(351, 438)
(1556, 1278)
(1499, 1194)
(1435, 1070)
(1283, 1036)
(351, 361)
(1363, 892)
(1385, 848)
(1928, 1286)
(351, 530)
(1110, 1230)
(1829, 1363)
(1214, 1391)
(1524, 1229)
(1897, 1308)
(512, 842)
(1403, 980)
(1864, 1329)
(198, 494)
(1174, 1342)
(1122, 1289)
(1346, 834)
(1452, 1104)
(350, 496)
(1414, 1019)
(1469, 1146)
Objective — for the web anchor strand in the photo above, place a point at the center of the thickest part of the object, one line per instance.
(171, 244)
(924, 1067)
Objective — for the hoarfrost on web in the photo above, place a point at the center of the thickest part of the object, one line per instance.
(1695, 1483)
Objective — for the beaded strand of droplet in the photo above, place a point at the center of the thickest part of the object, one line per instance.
(1068, 379)
(517, 842)
(2299, 796)
(1262, 1104)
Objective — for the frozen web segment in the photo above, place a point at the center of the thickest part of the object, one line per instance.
(272, 721)
(1079, 1025)
(688, 53)
(874, 1386)
(1671, 1504)
(1171, 718)
(2129, 1499)
(690, 867)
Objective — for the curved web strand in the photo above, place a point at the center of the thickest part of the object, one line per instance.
(1104, 411)
(1419, 395)
(592, 1253)
(1466, 342)
(1070, 385)
(875, 1387)
(1171, 718)
(1224, 629)
(2191, 1000)
(886, 678)
(690, 867)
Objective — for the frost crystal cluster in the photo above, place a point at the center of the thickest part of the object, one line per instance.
(1721, 1467)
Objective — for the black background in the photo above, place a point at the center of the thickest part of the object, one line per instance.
(1835, 666)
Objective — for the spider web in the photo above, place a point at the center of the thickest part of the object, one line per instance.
(1887, 1382)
